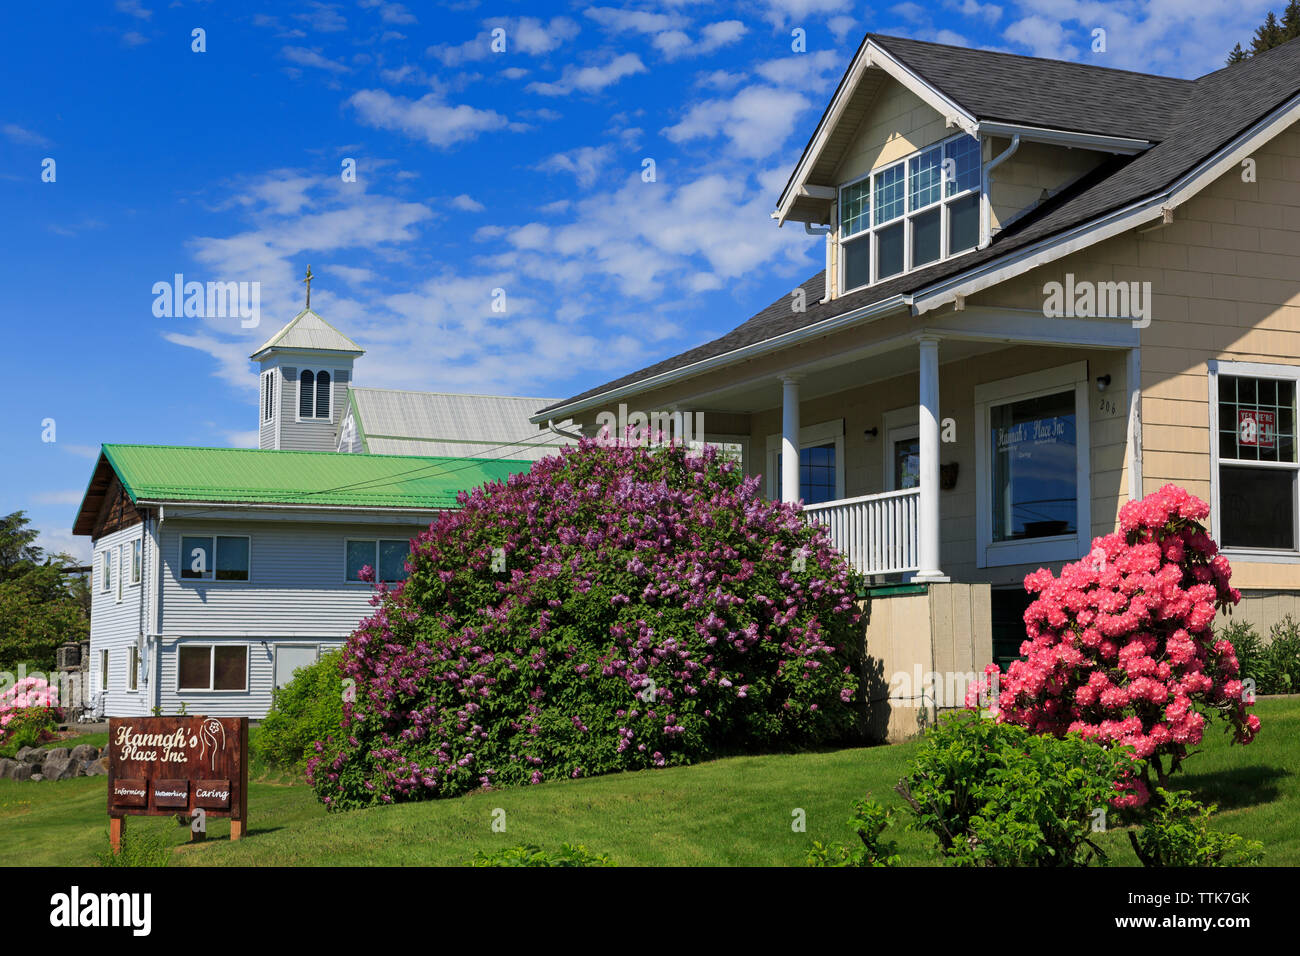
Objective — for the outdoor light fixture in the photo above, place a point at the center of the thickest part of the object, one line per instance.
(870, 433)
(1102, 382)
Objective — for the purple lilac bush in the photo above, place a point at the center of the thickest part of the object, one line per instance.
(653, 610)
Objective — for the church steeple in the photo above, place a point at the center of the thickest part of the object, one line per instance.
(306, 369)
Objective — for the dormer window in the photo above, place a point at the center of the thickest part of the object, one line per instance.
(911, 213)
(314, 399)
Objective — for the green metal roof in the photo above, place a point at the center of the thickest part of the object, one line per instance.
(242, 475)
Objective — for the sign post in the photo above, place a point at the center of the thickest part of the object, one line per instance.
(164, 766)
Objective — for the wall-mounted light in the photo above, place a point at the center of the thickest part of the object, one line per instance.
(870, 433)
(1103, 381)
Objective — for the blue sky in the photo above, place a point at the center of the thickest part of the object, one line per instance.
(476, 170)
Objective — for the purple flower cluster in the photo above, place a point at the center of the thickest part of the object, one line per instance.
(649, 614)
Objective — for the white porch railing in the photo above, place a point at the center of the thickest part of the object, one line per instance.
(878, 533)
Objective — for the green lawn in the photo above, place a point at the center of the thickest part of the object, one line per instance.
(726, 812)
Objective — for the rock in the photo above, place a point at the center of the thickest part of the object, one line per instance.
(20, 771)
(36, 776)
(56, 752)
(33, 755)
(97, 768)
(85, 752)
(24, 752)
(60, 768)
(5, 765)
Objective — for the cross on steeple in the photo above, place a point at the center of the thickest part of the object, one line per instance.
(308, 281)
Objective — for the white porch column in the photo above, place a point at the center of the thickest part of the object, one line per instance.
(789, 438)
(928, 438)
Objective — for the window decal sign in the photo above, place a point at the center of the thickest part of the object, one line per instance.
(1256, 428)
(164, 766)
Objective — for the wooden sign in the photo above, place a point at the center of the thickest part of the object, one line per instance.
(163, 766)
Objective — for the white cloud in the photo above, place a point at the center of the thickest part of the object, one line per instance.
(241, 439)
(527, 35)
(389, 12)
(323, 18)
(720, 34)
(428, 118)
(134, 8)
(591, 79)
(70, 496)
(134, 38)
(466, 203)
(1042, 37)
(757, 120)
(584, 163)
(305, 57)
(25, 137)
(635, 21)
(795, 12)
(840, 27)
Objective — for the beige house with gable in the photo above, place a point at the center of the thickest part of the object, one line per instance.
(1048, 288)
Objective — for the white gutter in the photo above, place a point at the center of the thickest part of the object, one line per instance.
(155, 599)
(209, 506)
(556, 429)
(986, 207)
(1127, 145)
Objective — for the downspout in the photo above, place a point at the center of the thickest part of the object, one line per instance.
(826, 231)
(155, 639)
(986, 219)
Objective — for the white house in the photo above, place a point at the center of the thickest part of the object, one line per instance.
(219, 571)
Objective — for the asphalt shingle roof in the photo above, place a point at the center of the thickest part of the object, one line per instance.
(1204, 115)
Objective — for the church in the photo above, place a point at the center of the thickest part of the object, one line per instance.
(217, 572)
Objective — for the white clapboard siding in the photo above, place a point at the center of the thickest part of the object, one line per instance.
(311, 435)
(116, 626)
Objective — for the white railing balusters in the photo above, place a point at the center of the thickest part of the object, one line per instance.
(878, 533)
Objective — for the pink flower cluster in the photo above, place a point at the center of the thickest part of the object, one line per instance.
(1120, 646)
(20, 700)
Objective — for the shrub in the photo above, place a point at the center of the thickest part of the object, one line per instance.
(1177, 833)
(144, 844)
(28, 713)
(307, 709)
(1275, 666)
(649, 609)
(994, 794)
(1121, 648)
(529, 854)
(869, 821)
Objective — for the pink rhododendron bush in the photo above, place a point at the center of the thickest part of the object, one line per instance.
(612, 609)
(1121, 648)
(28, 711)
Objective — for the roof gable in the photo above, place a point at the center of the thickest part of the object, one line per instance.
(304, 478)
(308, 332)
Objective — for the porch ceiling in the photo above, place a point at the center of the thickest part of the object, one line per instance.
(837, 374)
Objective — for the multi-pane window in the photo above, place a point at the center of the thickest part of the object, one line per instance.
(1257, 462)
(133, 670)
(103, 670)
(135, 561)
(106, 571)
(314, 394)
(816, 473)
(1034, 451)
(212, 667)
(386, 557)
(214, 557)
(911, 213)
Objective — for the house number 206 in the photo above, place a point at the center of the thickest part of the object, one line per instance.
(1106, 406)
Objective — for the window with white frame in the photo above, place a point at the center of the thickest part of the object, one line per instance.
(103, 670)
(821, 463)
(385, 557)
(215, 557)
(911, 213)
(314, 395)
(136, 546)
(105, 571)
(133, 669)
(1254, 463)
(902, 449)
(268, 395)
(119, 554)
(1033, 498)
(212, 667)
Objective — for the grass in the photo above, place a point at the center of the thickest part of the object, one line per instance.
(736, 811)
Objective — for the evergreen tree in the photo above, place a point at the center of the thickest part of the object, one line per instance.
(1272, 32)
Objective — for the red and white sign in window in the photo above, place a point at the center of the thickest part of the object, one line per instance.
(1257, 428)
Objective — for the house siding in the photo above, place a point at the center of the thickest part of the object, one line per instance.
(1225, 278)
(116, 626)
(296, 594)
(322, 435)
